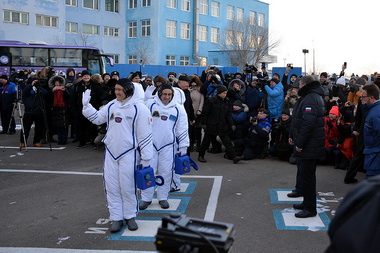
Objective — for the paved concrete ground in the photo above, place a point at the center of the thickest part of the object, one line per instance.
(55, 200)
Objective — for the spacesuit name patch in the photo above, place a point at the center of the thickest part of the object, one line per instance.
(172, 117)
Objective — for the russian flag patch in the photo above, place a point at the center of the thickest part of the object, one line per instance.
(307, 109)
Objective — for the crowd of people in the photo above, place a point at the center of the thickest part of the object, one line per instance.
(251, 115)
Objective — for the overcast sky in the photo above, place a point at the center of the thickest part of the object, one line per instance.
(338, 31)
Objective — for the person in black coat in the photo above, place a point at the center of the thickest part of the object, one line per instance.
(307, 136)
(217, 121)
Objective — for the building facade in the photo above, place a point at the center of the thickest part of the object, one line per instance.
(156, 32)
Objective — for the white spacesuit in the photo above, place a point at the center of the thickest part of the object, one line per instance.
(128, 143)
(170, 133)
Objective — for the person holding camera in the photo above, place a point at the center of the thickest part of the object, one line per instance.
(33, 96)
(8, 95)
(284, 81)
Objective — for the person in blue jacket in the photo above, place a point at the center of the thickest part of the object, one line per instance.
(8, 95)
(371, 104)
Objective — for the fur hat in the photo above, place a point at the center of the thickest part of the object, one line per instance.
(334, 110)
(361, 81)
(221, 89)
(184, 77)
(172, 73)
(160, 79)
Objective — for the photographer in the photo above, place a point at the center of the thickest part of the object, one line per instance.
(236, 90)
(257, 138)
(33, 97)
(172, 78)
(284, 80)
(8, 95)
(275, 92)
(254, 97)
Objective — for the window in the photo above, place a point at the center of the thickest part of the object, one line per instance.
(252, 40)
(215, 9)
(171, 27)
(202, 33)
(261, 20)
(16, 17)
(230, 12)
(170, 60)
(132, 59)
(184, 60)
(239, 14)
(72, 3)
(239, 38)
(202, 61)
(112, 5)
(186, 5)
(71, 27)
(111, 31)
(132, 29)
(203, 7)
(145, 3)
(91, 4)
(115, 57)
(171, 4)
(252, 18)
(229, 37)
(145, 28)
(214, 35)
(48, 21)
(90, 29)
(185, 31)
(132, 4)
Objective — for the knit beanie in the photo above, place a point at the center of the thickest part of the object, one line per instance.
(221, 89)
(334, 110)
(286, 111)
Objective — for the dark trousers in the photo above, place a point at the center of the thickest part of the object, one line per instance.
(225, 140)
(28, 120)
(62, 133)
(86, 130)
(299, 186)
(357, 162)
(308, 168)
(6, 118)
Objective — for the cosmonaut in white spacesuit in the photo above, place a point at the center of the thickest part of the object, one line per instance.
(170, 132)
(128, 142)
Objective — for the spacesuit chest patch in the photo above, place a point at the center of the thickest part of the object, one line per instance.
(172, 117)
(112, 116)
(163, 117)
(155, 114)
(118, 119)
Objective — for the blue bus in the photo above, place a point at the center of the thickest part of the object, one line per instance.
(17, 55)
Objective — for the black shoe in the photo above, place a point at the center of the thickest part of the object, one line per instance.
(11, 133)
(3, 132)
(305, 214)
(131, 224)
(116, 226)
(95, 147)
(201, 159)
(216, 151)
(236, 159)
(351, 181)
(75, 140)
(294, 194)
(80, 146)
(164, 204)
(174, 190)
(144, 205)
(299, 206)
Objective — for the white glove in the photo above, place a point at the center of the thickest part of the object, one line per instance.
(183, 151)
(145, 163)
(86, 97)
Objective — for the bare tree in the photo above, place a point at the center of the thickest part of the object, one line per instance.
(57, 40)
(246, 42)
(141, 51)
(84, 40)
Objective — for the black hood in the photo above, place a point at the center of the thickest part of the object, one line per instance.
(311, 87)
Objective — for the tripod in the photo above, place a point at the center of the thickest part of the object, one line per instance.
(43, 108)
(17, 107)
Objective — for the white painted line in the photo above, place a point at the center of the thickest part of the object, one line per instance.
(34, 148)
(147, 228)
(51, 250)
(212, 201)
(174, 203)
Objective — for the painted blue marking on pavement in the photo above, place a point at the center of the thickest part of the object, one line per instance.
(280, 223)
(274, 197)
(119, 235)
(190, 188)
(181, 207)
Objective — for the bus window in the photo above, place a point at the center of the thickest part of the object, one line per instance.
(29, 56)
(66, 57)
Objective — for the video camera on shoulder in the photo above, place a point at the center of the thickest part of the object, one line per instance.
(250, 68)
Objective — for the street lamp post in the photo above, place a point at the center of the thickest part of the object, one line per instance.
(305, 51)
